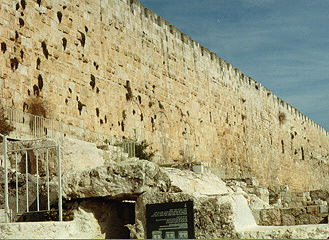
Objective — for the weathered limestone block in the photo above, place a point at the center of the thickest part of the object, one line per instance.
(196, 184)
(270, 217)
(287, 232)
(52, 230)
(79, 155)
(126, 179)
(244, 218)
(257, 203)
(320, 194)
(113, 153)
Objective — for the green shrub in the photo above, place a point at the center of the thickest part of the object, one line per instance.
(142, 152)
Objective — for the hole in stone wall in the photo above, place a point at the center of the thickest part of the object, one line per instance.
(282, 117)
(44, 49)
(129, 94)
(80, 106)
(64, 7)
(59, 16)
(3, 47)
(22, 54)
(93, 81)
(40, 82)
(39, 2)
(86, 28)
(124, 115)
(105, 119)
(35, 90)
(282, 145)
(14, 63)
(142, 117)
(134, 112)
(122, 126)
(97, 112)
(101, 121)
(96, 65)
(16, 35)
(28, 92)
(66, 101)
(153, 125)
(139, 99)
(17, 6)
(303, 156)
(64, 43)
(160, 105)
(82, 39)
(38, 63)
(70, 90)
(25, 106)
(23, 3)
(21, 22)
(97, 90)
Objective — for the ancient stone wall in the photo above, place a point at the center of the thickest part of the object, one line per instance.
(113, 66)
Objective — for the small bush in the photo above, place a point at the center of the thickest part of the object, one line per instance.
(142, 152)
(37, 106)
(5, 126)
(141, 149)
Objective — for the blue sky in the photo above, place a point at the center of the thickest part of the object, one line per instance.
(282, 44)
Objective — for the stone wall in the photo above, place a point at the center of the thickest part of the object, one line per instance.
(113, 66)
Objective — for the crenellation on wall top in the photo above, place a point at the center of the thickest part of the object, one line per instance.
(214, 57)
(206, 52)
(135, 6)
(175, 31)
(186, 39)
(150, 15)
(162, 23)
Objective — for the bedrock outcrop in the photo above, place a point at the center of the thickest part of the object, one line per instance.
(124, 180)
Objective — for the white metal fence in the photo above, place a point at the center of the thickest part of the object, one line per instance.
(29, 126)
(43, 167)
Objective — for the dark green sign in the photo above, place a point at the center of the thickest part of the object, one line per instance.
(173, 220)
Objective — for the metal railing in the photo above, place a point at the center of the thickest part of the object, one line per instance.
(128, 147)
(21, 162)
(31, 126)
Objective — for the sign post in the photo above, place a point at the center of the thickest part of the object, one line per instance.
(173, 220)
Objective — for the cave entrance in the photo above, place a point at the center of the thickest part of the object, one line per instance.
(112, 216)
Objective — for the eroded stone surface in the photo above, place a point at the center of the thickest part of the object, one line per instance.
(196, 183)
(126, 179)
